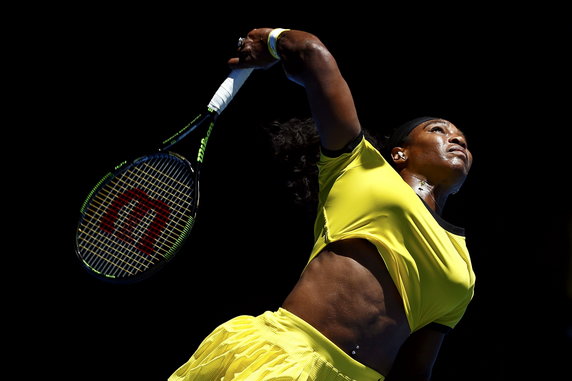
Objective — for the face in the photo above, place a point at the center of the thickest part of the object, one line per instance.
(438, 150)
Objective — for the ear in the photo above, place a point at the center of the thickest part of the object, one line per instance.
(398, 155)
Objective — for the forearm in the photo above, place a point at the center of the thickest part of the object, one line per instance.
(308, 62)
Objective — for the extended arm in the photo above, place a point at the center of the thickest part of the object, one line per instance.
(308, 62)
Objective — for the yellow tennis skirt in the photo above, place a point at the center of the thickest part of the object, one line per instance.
(274, 346)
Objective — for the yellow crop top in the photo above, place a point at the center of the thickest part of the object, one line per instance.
(362, 196)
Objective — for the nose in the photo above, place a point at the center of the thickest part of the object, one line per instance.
(458, 139)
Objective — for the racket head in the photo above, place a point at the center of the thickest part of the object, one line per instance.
(137, 217)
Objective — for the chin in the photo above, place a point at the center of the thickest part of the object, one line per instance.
(460, 166)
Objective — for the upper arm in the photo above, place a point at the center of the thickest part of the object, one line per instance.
(308, 62)
(417, 356)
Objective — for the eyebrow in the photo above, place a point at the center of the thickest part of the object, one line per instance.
(441, 122)
(432, 122)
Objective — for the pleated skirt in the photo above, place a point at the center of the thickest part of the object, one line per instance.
(274, 346)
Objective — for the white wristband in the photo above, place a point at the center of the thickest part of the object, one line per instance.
(272, 39)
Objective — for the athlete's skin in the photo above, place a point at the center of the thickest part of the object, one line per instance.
(346, 292)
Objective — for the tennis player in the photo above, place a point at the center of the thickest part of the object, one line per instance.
(387, 277)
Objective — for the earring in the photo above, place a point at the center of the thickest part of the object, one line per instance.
(401, 155)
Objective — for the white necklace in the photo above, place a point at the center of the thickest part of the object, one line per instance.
(422, 187)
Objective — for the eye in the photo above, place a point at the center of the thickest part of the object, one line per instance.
(437, 129)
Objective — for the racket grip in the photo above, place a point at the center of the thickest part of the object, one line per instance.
(228, 89)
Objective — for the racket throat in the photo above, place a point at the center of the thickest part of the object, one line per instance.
(204, 141)
(200, 120)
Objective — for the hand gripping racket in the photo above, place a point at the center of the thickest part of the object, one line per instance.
(137, 217)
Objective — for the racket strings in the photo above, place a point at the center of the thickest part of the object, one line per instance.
(170, 193)
(107, 250)
(131, 221)
(116, 190)
(134, 257)
(125, 233)
(124, 184)
(113, 193)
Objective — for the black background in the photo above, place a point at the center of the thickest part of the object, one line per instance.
(108, 84)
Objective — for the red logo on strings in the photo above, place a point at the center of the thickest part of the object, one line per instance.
(129, 230)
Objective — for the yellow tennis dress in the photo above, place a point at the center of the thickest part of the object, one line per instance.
(361, 196)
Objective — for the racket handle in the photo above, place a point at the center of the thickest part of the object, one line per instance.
(228, 89)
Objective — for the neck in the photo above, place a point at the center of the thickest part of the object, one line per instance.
(431, 193)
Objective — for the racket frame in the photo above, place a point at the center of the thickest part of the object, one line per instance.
(218, 103)
(180, 240)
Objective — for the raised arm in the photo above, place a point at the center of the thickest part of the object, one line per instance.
(308, 62)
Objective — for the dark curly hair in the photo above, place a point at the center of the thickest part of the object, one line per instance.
(295, 144)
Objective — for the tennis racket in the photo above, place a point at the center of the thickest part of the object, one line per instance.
(137, 217)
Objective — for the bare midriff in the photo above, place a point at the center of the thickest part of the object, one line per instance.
(347, 294)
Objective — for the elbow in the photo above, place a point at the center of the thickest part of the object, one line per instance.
(309, 62)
